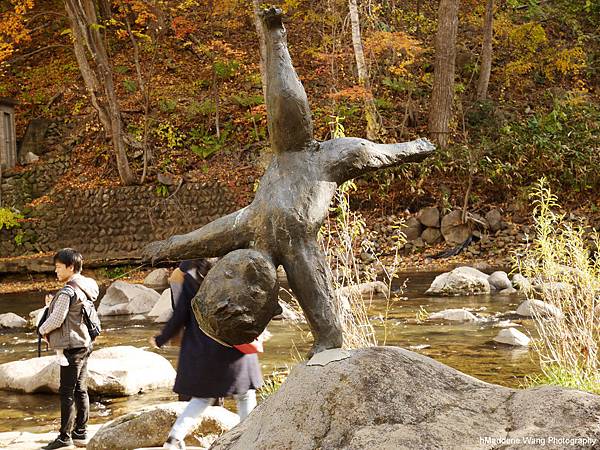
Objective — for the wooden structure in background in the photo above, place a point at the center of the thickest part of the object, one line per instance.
(8, 140)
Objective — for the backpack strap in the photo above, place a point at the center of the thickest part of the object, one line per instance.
(73, 285)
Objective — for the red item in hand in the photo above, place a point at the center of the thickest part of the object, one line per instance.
(255, 346)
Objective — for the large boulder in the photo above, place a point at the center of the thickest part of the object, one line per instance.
(412, 229)
(391, 398)
(163, 305)
(149, 427)
(431, 235)
(499, 281)
(157, 279)
(494, 220)
(429, 217)
(460, 281)
(114, 371)
(520, 282)
(531, 308)
(453, 228)
(12, 320)
(126, 298)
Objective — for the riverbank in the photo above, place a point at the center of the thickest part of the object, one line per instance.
(487, 253)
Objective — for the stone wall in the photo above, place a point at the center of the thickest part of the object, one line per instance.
(19, 188)
(115, 223)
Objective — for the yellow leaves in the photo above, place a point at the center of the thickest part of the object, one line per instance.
(516, 69)
(22, 6)
(529, 36)
(567, 62)
(122, 34)
(534, 55)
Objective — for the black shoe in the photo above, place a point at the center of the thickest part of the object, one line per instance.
(79, 438)
(59, 443)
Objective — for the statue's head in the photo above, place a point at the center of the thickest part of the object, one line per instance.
(238, 297)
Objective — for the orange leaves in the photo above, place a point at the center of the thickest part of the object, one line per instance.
(384, 43)
(13, 30)
(183, 27)
(353, 93)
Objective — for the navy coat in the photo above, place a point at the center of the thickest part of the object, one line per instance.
(206, 368)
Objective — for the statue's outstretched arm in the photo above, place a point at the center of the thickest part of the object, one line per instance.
(347, 158)
(216, 238)
(289, 119)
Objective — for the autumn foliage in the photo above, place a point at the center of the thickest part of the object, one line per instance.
(13, 27)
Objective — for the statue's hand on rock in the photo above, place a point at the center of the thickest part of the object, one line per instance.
(152, 253)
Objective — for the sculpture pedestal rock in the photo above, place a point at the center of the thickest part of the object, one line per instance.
(391, 398)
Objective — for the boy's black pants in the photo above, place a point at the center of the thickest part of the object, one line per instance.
(74, 400)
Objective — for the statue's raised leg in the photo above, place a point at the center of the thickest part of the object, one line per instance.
(290, 123)
(309, 277)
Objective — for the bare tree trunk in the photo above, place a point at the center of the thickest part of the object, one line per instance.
(440, 110)
(104, 9)
(145, 91)
(418, 31)
(97, 75)
(486, 52)
(374, 127)
(262, 47)
(215, 87)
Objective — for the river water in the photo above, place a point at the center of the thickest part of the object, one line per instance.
(467, 347)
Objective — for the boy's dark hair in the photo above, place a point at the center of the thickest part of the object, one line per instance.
(69, 257)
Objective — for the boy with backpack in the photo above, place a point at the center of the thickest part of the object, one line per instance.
(65, 328)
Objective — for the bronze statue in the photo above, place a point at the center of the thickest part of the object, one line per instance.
(280, 226)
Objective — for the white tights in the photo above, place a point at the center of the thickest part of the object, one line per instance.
(196, 406)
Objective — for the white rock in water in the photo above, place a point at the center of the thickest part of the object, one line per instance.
(163, 305)
(520, 282)
(116, 371)
(127, 298)
(512, 336)
(458, 315)
(529, 307)
(12, 320)
(35, 316)
(460, 281)
(499, 280)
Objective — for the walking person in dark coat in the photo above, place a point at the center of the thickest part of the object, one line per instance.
(207, 370)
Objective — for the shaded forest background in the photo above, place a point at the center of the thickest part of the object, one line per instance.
(187, 80)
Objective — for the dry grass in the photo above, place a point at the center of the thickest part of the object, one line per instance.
(559, 259)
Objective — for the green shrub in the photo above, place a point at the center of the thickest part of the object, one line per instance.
(9, 219)
(247, 101)
(167, 105)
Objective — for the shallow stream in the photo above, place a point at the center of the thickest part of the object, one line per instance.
(467, 347)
